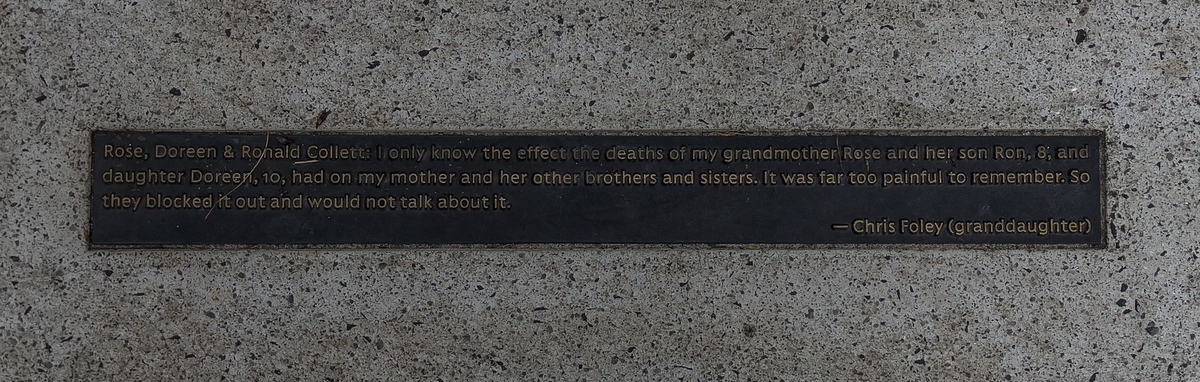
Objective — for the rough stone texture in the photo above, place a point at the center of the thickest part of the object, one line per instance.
(1123, 313)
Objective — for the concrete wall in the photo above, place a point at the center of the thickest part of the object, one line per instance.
(1122, 313)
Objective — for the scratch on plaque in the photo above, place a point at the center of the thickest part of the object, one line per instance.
(243, 182)
(266, 145)
(837, 147)
(310, 161)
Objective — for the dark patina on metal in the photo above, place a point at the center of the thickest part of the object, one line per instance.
(156, 189)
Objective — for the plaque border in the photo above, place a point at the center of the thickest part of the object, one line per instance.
(1104, 225)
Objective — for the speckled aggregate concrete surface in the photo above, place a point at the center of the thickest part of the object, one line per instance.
(1127, 312)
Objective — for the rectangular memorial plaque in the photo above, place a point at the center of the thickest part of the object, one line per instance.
(153, 189)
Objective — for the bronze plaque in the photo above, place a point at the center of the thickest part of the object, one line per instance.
(158, 189)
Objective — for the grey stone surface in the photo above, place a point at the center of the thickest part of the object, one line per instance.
(1123, 313)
